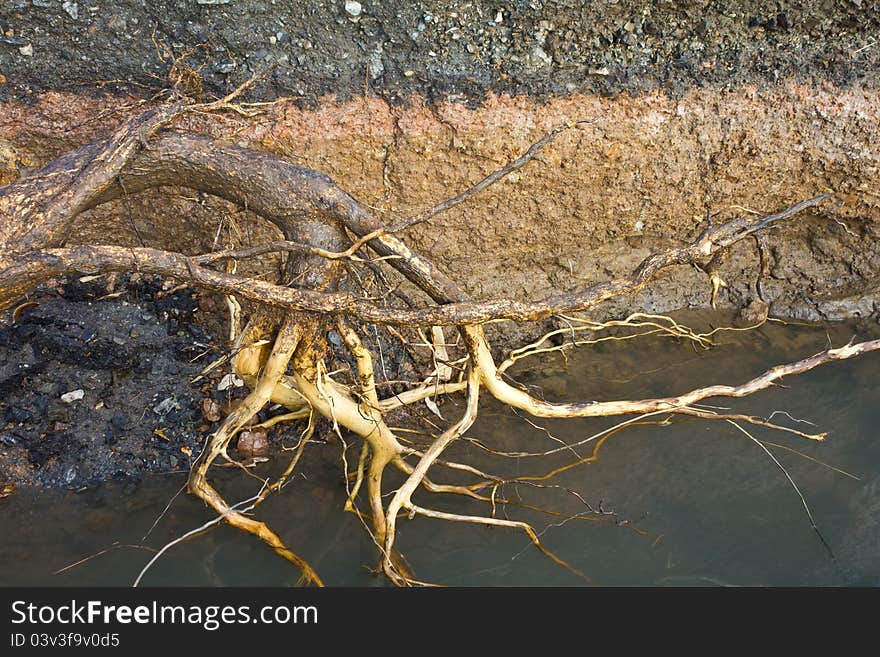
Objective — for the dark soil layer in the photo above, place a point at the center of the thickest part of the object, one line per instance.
(432, 49)
(132, 356)
(136, 348)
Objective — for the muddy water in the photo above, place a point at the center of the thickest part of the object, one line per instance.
(691, 503)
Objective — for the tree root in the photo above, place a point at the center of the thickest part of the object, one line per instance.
(282, 352)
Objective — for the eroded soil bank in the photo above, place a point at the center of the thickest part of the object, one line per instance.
(693, 110)
(641, 175)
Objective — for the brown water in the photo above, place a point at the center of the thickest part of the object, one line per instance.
(692, 503)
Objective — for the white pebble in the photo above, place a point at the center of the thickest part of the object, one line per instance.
(72, 396)
(228, 381)
(353, 8)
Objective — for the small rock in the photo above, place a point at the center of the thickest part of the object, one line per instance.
(253, 443)
(540, 57)
(211, 410)
(13, 40)
(166, 405)
(375, 65)
(17, 415)
(118, 340)
(72, 396)
(353, 8)
(70, 475)
(229, 381)
(754, 313)
(27, 51)
(199, 334)
(72, 11)
(41, 404)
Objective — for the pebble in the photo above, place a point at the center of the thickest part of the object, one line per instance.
(72, 396)
(353, 8)
(72, 11)
(41, 403)
(166, 405)
(17, 415)
(27, 51)
(211, 410)
(253, 443)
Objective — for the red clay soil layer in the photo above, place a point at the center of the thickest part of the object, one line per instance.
(641, 175)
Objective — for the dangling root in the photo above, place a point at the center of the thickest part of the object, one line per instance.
(285, 344)
(402, 498)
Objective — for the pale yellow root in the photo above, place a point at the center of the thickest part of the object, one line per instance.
(285, 344)
(403, 495)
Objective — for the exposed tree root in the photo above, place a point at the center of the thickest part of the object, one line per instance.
(282, 353)
(285, 344)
